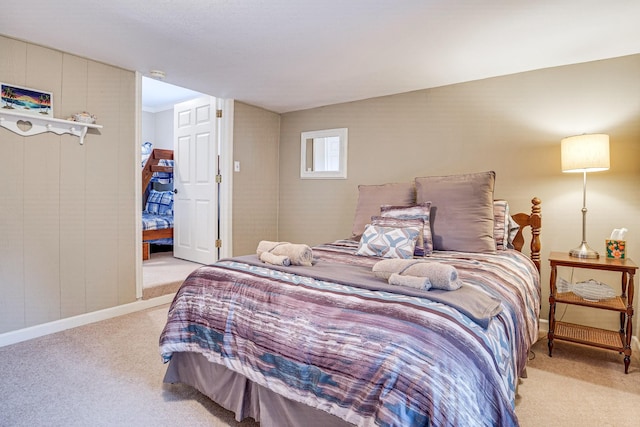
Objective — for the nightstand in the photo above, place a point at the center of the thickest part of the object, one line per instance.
(619, 341)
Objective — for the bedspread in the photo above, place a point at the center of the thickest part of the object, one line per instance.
(156, 222)
(371, 357)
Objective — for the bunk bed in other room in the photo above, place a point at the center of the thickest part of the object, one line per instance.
(157, 216)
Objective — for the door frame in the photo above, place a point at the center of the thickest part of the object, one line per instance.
(225, 137)
(225, 130)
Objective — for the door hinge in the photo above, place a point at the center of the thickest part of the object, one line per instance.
(218, 179)
(218, 243)
(219, 114)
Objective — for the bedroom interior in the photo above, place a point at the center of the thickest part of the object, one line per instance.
(52, 271)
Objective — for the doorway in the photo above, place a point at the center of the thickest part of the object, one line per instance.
(162, 273)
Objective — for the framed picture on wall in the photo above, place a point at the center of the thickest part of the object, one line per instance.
(25, 100)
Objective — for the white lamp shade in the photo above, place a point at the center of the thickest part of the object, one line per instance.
(585, 153)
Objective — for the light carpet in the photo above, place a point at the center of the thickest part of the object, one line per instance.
(110, 374)
(163, 274)
(578, 386)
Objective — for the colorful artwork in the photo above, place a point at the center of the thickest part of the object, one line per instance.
(615, 249)
(25, 100)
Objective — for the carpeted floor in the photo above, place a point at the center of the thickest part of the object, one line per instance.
(579, 386)
(163, 274)
(110, 374)
(104, 374)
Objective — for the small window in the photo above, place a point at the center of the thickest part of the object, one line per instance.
(324, 154)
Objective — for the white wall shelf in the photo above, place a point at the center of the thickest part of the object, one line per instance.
(9, 120)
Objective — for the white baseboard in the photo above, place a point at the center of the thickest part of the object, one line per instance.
(36, 331)
(543, 328)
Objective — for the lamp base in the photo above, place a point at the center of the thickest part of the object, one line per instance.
(584, 251)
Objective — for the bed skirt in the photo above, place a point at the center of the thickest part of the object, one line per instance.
(236, 393)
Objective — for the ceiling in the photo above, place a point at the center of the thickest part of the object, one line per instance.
(286, 55)
(159, 95)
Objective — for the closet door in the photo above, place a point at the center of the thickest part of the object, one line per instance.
(195, 198)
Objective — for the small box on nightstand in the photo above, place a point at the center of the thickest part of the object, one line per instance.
(616, 248)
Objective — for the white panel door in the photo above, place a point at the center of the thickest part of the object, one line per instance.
(195, 199)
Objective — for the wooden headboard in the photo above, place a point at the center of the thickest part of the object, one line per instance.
(533, 220)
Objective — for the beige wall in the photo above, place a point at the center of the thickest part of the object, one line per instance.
(255, 188)
(67, 232)
(512, 125)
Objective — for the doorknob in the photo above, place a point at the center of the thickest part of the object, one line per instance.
(175, 191)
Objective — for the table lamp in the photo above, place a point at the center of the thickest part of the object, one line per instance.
(585, 153)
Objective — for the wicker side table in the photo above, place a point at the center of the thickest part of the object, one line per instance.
(619, 341)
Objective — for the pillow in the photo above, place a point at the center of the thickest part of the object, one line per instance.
(403, 223)
(500, 224)
(504, 228)
(371, 197)
(421, 211)
(160, 203)
(461, 210)
(513, 230)
(388, 242)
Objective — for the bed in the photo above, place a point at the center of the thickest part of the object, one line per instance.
(157, 216)
(334, 344)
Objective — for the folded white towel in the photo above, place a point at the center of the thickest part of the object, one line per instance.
(410, 281)
(269, 258)
(441, 276)
(298, 254)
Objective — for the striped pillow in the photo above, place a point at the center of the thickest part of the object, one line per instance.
(420, 211)
(500, 223)
(504, 227)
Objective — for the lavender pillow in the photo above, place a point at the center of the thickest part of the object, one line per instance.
(461, 210)
(371, 197)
